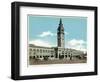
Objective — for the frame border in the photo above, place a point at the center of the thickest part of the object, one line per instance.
(15, 40)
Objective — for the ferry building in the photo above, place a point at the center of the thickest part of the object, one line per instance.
(59, 52)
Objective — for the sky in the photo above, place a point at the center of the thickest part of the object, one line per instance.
(42, 31)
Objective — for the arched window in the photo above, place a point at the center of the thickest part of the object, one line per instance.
(66, 53)
(37, 56)
(30, 49)
(62, 52)
(33, 57)
(52, 51)
(40, 51)
(43, 50)
(66, 56)
(40, 56)
(30, 57)
(34, 53)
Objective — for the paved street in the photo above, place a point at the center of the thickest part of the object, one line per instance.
(61, 61)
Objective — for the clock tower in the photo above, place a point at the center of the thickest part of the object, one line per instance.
(60, 35)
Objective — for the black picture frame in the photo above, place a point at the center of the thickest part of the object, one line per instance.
(15, 40)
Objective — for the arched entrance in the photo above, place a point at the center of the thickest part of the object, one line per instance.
(45, 57)
(61, 56)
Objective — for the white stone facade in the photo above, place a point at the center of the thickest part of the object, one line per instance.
(37, 52)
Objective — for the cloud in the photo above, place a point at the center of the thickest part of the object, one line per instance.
(74, 44)
(77, 44)
(47, 33)
(66, 33)
(39, 42)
